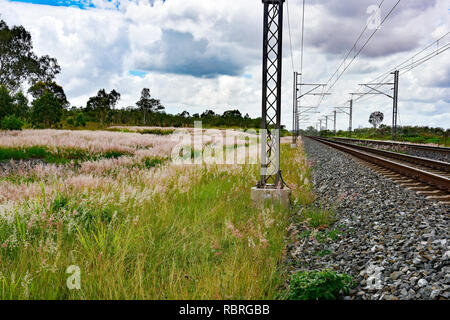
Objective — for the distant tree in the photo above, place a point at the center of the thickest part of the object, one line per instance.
(311, 131)
(18, 63)
(11, 123)
(49, 103)
(6, 102)
(147, 105)
(47, 110)
(102, 103)
(38, 89)
(232, 114)
(80, 120)
(208, 114)
(21, 108)
(376, 118)
(184, 114)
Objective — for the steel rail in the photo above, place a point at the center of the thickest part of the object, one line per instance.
(434, 164)
(398, 144)
(438, 181)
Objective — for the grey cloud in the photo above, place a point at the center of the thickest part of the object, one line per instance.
(179, 53)
(442, 82)
(358, 8)
(345, 20)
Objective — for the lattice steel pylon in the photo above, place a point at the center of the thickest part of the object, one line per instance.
(271, 94)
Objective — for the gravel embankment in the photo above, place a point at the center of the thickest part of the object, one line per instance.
(394, 243)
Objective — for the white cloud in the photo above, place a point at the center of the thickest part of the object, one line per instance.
(196, 53)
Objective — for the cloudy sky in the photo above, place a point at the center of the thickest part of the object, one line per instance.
(198, 54)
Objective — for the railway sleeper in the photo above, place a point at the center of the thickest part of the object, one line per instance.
(421, 188)
(400, 173)
(431, 192)
(443, 197)
(407, 185)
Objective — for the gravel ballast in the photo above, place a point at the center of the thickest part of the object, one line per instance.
(428, 154)
(444, 157)
(394, 243)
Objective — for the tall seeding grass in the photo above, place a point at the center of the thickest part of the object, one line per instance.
(162, 231)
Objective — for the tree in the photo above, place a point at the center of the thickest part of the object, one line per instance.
(208, 114)
(376, 118)
(6, 102)
(39, 88)
(311, 131)
(147, 105)
(21, 108)
(47, 110)
(233, 114)
(49, 103)
(102, 103)
(18, 63)
(184, 114)
(80, 120)
(11, 123)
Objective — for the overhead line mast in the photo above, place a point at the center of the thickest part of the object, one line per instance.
(271, 94)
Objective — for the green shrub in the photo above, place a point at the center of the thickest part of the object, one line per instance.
(70, 121)
(11, 123)
(317, 217)
(160, 132)
(80, 120)
(151, 163)
(319, 285)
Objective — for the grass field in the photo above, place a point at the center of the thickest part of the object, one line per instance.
(137, 225)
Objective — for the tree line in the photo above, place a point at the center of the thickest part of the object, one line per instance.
(49, 107)
(414, 134)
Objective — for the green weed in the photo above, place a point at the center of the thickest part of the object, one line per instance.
(319, 285)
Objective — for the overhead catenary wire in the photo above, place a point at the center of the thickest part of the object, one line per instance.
(303, 39)
(412, 57)
(407, 66)
(351, 49)
(404, 67)
(365, 44)
(359, 51)
(415, 64)
(290, 36)
(412, 65)
(302, 51)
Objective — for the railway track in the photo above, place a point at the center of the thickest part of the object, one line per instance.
(424, 176)
(396, 145)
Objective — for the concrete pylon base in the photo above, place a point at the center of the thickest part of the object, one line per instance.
(272, 196)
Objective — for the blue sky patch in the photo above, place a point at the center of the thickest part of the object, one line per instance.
(137, 73)
(82, 4)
